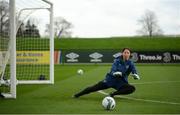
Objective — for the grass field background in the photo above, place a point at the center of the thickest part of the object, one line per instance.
(156, 93)
(159, 83)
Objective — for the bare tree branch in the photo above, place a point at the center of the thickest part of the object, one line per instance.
(149, 24)
(4, 16)
(62, 28)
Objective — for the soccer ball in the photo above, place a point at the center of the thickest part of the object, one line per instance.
(80, 71)
(108, 103)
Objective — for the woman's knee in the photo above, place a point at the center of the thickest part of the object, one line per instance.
(127, 89)
(132, 88)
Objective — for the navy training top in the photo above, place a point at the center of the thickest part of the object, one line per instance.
(126, 67)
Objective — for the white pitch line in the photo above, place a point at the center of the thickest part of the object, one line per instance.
(145, 100)
(156, 82)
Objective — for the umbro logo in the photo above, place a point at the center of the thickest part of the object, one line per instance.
(72, 57)
(96, 57)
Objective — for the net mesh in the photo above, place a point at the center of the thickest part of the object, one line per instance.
(32, 40)
(4, 46)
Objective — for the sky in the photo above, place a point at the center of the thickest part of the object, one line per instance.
(111, 18)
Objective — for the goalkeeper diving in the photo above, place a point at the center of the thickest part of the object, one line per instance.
(117, 78)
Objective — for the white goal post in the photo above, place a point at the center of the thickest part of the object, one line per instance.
(26, 45)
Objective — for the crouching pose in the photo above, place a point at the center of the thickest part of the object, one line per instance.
(117, 78)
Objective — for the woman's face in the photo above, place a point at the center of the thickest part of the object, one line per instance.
(126, 54)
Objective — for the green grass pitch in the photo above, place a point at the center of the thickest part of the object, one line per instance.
(157, 93)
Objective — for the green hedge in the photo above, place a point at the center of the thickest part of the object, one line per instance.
(135, 43)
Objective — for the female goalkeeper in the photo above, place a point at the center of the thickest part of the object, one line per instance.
(117, 78)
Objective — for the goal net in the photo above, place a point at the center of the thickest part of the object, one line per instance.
(26, 44)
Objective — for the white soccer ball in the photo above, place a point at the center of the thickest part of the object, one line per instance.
(80, 72)
(108, 103)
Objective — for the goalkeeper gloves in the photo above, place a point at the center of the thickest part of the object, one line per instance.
(117, 74)
(136, 76)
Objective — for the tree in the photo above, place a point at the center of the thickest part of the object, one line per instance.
(62, 28)
(149, 24)
(21, 29)
(4, 17)
(31, 30)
